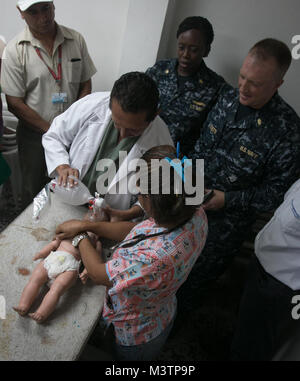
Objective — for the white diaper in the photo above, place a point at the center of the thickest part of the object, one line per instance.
(59, 262)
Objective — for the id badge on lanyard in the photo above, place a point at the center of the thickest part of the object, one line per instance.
(58, 98)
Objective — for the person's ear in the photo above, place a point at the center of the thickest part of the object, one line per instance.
(207, 50)
(280, 83)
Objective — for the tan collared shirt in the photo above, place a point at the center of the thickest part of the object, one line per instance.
(2, 46)
(25, 75)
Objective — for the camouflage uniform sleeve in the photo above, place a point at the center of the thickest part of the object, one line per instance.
(281, 170)
(153, 72)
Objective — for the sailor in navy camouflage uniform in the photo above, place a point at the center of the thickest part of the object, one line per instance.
(188, 88)
(251, 147)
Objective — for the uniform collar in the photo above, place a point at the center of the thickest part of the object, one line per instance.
(272, 104)
(203, 72)
(200, 77)
(61, 35)
(259, 115)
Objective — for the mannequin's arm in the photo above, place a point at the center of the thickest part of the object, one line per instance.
(46, 250)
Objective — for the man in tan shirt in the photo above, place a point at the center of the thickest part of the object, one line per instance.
(2, 46)
(45, 69)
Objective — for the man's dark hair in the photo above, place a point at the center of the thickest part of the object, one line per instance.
(166, 208)
(199, 23)
(271, 48)
(136, 92)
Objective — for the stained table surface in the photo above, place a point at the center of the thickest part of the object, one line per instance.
(65, 333)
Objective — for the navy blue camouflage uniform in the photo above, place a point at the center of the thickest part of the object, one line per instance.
(254, 161)
(184, 108)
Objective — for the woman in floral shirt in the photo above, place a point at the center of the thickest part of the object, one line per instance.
(146, 270)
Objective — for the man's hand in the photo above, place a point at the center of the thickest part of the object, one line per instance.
(216, 202)
(19, 108)
(64, 171)
(69, 229)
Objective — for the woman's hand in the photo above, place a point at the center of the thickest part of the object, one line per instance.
(216, 202)
(69, 229)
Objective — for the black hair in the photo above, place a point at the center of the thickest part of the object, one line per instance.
(199, 23)
(272, 48)
(136, 92)
(172, 207)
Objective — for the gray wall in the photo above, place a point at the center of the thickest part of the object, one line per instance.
(122, 35)
(238, 24)
(125, 34)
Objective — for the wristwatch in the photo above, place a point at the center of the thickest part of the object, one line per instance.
(78, 238)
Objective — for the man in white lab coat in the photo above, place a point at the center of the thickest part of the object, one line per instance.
(101, 125)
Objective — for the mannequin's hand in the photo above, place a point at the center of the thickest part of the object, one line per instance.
(84, 276)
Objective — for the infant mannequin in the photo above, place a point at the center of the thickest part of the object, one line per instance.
(60, 269)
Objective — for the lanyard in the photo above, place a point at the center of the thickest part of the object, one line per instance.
(57, 77)
(135, 240)
(141, 237)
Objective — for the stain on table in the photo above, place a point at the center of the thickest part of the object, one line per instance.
(23, 271)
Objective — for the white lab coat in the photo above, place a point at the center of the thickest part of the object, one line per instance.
(74, 138)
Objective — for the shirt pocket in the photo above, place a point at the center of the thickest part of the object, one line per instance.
(290, 217)
(74, 71)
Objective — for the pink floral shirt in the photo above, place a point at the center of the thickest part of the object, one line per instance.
(146, 276)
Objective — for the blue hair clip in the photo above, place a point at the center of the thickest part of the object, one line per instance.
(179, 167)
(178, 150)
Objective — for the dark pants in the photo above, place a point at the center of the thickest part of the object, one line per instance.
(264, 319)
(225, 236)
(4, 170)
(143, 352)
(32, 163)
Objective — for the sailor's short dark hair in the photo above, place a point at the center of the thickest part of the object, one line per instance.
(199, 23)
